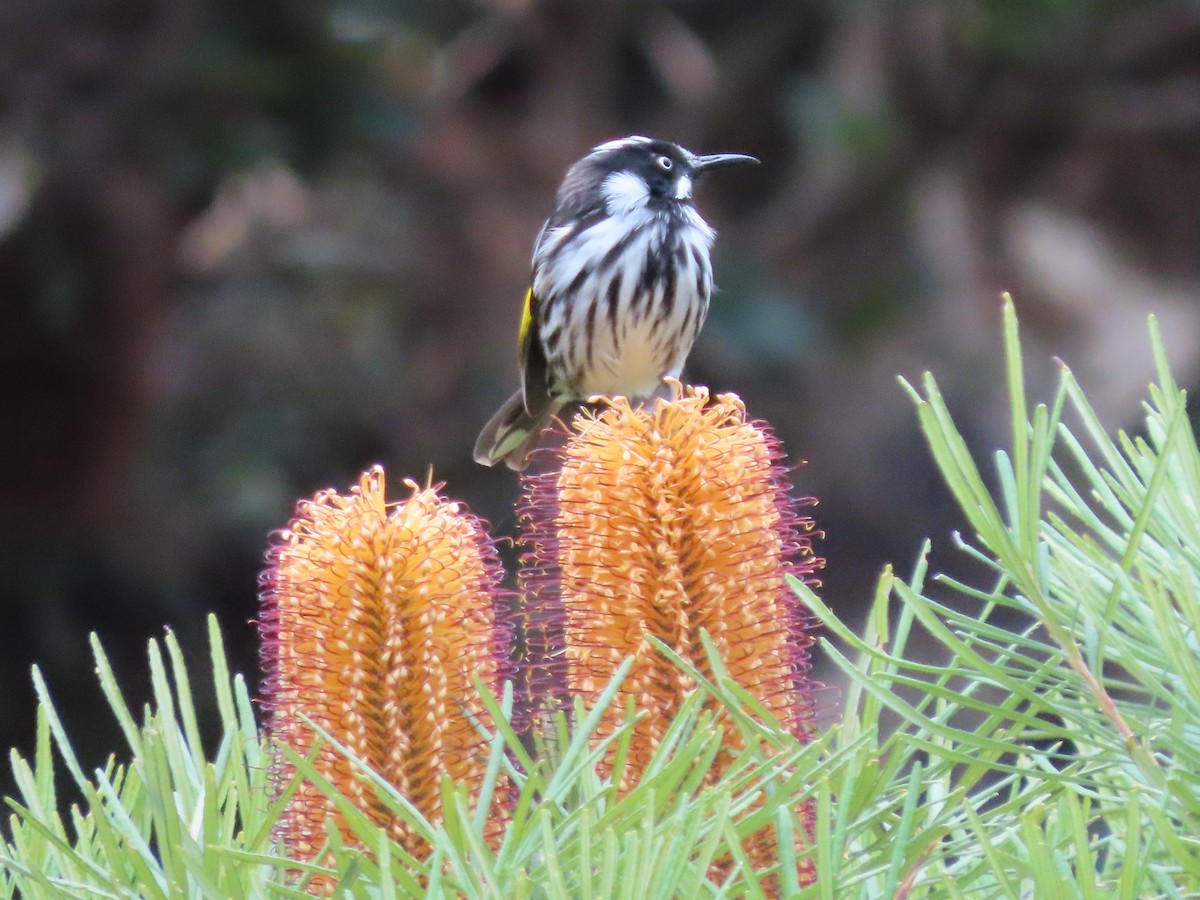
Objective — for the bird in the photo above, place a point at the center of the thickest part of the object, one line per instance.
(620, 287)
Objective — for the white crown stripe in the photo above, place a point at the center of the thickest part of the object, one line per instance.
(621, 144)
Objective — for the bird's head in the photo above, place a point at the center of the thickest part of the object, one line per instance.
(637, 172)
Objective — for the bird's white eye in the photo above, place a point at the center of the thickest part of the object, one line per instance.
(665, 163)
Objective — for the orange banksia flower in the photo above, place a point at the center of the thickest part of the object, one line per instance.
(375, 616)
(663, 521)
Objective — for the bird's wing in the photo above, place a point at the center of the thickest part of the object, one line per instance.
(534, 389)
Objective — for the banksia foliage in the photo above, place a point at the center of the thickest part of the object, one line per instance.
(375, 616)
(664, 521)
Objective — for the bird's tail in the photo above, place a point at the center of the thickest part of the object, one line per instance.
(511, 433)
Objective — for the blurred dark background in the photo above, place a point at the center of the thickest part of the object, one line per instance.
(246, 250)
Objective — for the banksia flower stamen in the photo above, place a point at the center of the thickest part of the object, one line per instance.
(375, 616)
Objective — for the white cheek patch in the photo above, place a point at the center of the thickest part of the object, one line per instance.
(624, 192)
(683, 187)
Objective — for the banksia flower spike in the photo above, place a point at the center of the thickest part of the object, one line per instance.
(374, 618)
(664, 521)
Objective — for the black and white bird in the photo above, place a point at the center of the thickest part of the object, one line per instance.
(622, 278)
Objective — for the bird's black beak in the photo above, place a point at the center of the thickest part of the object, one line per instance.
(717, 160)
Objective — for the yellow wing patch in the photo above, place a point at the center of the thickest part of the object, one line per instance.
(526, 323)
